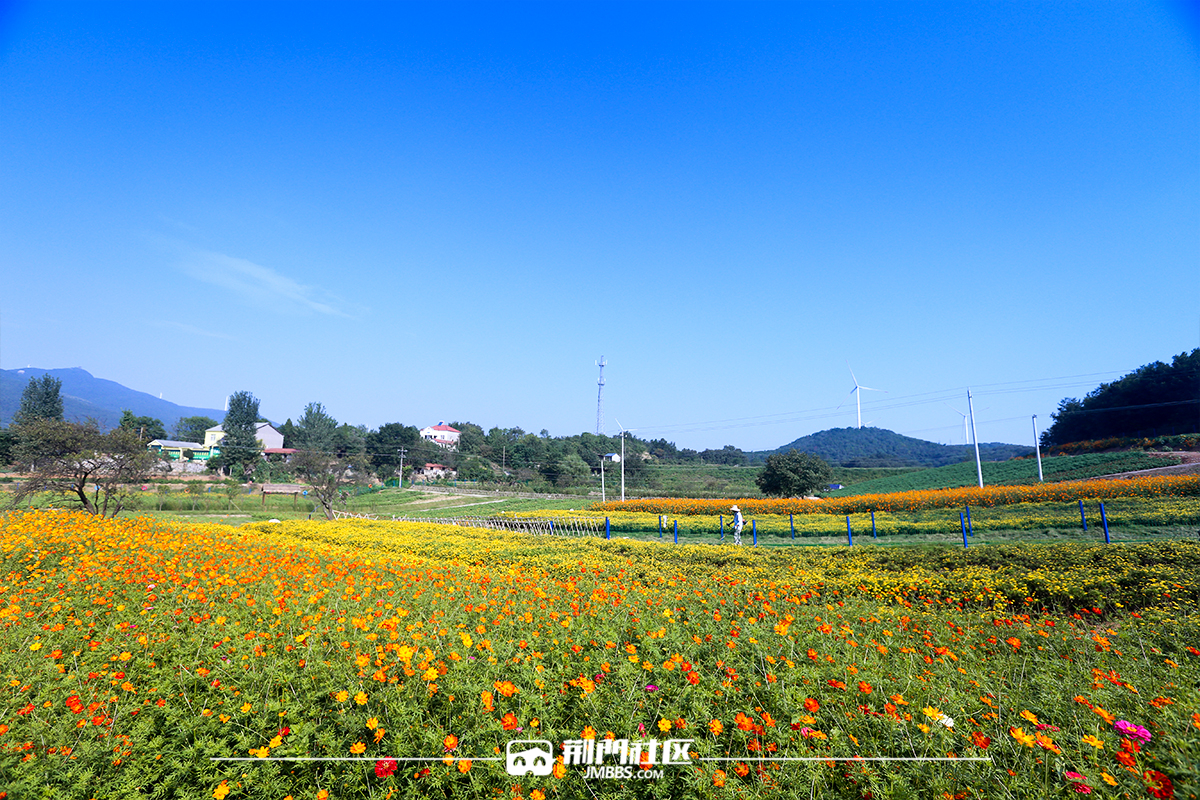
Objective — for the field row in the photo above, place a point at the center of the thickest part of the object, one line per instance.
(988, 496)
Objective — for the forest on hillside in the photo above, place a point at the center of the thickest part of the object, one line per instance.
(1154, 400)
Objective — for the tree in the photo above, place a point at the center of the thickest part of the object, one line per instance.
(793, 474)
(328, 475)
(75, 459)
(1154, 400)
(42, 399)
(192, 429)
(315, 430)
(239, 446)
(148, 428)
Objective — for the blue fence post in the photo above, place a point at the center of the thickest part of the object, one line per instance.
(963, 524)
(676, 531)
(970, 530)
(792, 522)
(660, 526)
(849, 532)
(607, 529)
(722, 527)
(874, 535)
(1104, 519)
(551, 527)
(1082, 516)
(754, 530)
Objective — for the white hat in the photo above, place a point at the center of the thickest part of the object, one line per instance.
(734, 508)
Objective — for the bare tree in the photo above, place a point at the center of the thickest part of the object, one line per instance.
(81, 463)
(328, 475)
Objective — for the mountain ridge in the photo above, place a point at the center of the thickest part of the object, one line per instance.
(879, 447)
(87, 397)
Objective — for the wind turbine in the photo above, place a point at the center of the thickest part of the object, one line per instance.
(966, 438)
(857, 392)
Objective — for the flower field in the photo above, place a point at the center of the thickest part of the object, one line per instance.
(925, 499)
(389, 660)
(895, 526)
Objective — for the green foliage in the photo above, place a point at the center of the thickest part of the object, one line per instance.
(192, 429)
(148, 428)
(239, 446)
(8, 444)
(794, 474)
(315, 430)
(42, 399)
(1153, 400)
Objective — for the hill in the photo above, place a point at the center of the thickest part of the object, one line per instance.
(88, 397)
(878, 447)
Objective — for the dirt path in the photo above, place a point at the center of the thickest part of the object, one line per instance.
(1190, 466)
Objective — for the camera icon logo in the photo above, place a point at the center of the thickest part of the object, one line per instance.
(529, 757)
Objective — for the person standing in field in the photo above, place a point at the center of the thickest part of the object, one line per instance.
(738, 522)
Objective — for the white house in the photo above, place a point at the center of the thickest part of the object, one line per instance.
(268, 438)
(442, 435)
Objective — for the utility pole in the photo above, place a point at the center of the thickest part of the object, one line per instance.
(603, 499)
(975, 439)
(400, 483)
(1038, 447)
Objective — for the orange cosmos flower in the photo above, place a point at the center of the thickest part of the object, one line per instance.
(811, 705)
(715, 727)
(357, 748)
(509, 721)
(464, 765)
(450, 742)
(864, 687)
(1021, 736)
(719, 778)
(487, 699)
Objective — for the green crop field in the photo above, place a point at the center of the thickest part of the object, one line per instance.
(1055, 468)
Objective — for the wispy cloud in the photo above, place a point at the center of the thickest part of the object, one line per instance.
(192, 329)
(262, 286)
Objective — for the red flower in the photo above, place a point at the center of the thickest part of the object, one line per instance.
(1159, 784)
(385, 767)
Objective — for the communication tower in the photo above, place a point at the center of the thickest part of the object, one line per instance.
(600, 398)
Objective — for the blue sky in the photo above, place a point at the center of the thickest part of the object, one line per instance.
(416, 212)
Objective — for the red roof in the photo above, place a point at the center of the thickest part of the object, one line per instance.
(442, 428)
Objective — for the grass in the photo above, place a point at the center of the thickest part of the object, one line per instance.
(714, 480)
